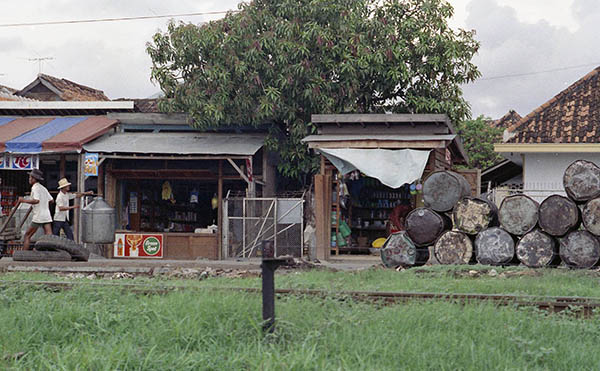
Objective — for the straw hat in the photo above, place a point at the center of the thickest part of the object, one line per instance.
(37, 174)
(63, 183)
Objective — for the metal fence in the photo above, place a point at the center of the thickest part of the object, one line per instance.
(248, 221)
(539, 193)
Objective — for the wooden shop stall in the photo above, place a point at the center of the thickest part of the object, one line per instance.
(372, 167)
(167, 184)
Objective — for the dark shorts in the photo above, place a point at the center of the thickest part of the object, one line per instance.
(38, 225)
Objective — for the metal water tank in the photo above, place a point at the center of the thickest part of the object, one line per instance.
(98, 222)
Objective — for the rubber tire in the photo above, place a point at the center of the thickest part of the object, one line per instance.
(50, 241)
(40, 256)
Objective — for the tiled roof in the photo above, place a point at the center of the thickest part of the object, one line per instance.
(67, 90)
(146, 105)
(8, 89)
(510, 118)
(572, 116)
(6, 94)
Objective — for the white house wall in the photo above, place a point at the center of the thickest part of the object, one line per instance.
(543, 172)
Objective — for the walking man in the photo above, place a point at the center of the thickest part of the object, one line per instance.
(61, 213)
(40, 201)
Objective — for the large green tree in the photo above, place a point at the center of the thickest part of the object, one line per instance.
(478, 138)
(277, 62)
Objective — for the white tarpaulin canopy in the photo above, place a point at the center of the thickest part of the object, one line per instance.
(393, 168)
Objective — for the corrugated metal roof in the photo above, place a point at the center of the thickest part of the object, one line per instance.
(178, 143)
(31, 141)
(19, 126)
(85, 131)
(50, 134)
(402, 138)
(5, 120)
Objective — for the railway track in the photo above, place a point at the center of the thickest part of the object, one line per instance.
(581, 306)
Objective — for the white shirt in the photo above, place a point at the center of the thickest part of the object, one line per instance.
(41, 210)
(62, 200)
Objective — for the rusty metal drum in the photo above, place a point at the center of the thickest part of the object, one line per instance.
(590, 216)
(518, 214)
(558, 215)
(581, 180)
(424, 225)
(494, 246)
(537, 249)
(443, 189)
(473, 215)
(399, 250)
(453, 247)
(579, 249)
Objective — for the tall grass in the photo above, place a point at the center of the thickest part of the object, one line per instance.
(106, 329)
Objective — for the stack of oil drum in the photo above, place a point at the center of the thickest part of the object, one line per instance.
(461, 229)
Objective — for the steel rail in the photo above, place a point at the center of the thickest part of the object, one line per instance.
(585, 306)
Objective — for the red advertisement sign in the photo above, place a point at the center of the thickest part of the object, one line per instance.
(138, 245)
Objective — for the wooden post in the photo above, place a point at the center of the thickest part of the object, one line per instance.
(322, 216)
(80, 188)
(100, 180)
(63, 166)
(220, 211)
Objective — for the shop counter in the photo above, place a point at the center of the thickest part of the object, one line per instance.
(165, 245)
(179, 245)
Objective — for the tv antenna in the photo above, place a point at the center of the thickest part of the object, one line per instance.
(39, 61)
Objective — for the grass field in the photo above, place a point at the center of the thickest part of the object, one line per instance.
(107, 329)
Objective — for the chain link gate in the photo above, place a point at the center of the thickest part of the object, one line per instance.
(248, 221)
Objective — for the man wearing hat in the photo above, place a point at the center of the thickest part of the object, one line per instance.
(61, 213)
(40, 199)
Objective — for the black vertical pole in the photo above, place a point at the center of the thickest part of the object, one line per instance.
(268, 295)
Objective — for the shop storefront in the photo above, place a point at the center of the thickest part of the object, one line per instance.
(168, 188)
(49, 143)
(372, 167)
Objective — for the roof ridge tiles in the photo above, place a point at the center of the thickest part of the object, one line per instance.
(513, 130)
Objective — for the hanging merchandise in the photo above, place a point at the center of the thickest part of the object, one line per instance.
(344, 195)
(167, 192)
(194, 196)
(413, 189)
(419, 187)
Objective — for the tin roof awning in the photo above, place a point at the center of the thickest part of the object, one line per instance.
(198, 144)
(50, 134)
(393, 168)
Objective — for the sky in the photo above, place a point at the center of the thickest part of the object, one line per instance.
(530, 49)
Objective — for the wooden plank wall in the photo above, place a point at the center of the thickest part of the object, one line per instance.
(473, 176)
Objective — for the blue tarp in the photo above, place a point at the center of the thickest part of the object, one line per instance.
(5, 120)
(31, 142)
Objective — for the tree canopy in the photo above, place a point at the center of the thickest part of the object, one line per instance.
(277, 62)
(478, 138)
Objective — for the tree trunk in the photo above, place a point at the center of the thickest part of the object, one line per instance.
(453, 247)
(518, 214)
(494, 246)
(579, 249)
(558, 215)
(443, 189)
(473, 215)
(582, 181)
(537, 249)
(424, 226)
(591, 216)
(399, 250)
